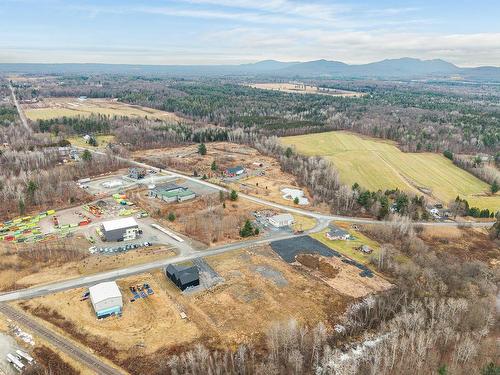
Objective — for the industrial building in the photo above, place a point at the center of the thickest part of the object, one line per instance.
(106, 299)
(183, 276)
(120, 229)
(172, 193)
(280, 221)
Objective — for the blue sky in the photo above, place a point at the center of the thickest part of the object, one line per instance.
(466, 33)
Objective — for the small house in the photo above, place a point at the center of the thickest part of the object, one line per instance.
(280, 221)
(335, 233)
(183, 276)
(234, 172)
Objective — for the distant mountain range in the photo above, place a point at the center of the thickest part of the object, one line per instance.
(403, 69)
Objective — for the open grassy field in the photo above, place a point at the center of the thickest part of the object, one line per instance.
(378, 164)
(349, 248)
(305, 89)
(102, 141)
(70, 107)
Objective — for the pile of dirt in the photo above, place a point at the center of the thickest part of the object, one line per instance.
(315, 263)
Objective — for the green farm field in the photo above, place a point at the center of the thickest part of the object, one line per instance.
(379, 164)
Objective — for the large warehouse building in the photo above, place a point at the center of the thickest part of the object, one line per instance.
(120, 230)
(172, 193)
(106, 299)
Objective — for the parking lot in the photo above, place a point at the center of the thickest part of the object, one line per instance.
(121, 182)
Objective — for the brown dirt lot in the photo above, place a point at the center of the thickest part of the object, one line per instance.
(146, 325)
(203, 219)
(342, 277)
(264, 181)
(259, 289)
(52, 261)
(466, 243)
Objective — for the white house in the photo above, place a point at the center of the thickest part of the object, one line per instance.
(336, 233)
(280, 221)
(106, 299)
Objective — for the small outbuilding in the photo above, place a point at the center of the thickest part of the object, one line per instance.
(120, 229)
(235, 171)
(335, 233)
(280, 221)
(106, 299)
(137, 173)
(365, 249)
(183, 276)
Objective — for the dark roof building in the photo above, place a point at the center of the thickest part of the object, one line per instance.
(172, 193)
(336, 233)
(183, 276)
(235, 171)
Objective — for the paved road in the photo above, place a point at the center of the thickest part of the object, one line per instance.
(24, 122)
(304, 212)
(85, 281)
(313, 214)
(322, 222)
(89, 360)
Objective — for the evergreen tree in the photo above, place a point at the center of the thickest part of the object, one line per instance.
(87, 156)
(202, 149)
(494, 187)
(234, 195)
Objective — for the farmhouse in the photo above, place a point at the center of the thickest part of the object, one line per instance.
(120, 229)
(336, 233)
(292, 194)
(172, 193)
(183, 276)
(106, 299)
(234, 172)
(280, 221)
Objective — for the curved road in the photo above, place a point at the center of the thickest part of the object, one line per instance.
(322, 223)
(313, 214)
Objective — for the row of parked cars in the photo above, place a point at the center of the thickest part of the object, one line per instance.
(118, 249)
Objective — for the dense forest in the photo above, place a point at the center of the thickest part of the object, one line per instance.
(420, 116)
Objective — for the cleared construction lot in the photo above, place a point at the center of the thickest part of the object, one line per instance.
(262, 175)
(258, 289)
